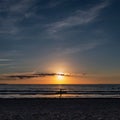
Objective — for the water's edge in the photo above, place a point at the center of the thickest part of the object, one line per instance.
(60, 91)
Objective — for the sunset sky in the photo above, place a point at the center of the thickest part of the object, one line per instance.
(80, 37)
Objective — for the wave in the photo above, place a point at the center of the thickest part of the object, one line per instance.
(67, 91)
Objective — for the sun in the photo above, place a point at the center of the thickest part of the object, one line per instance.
(60, 77)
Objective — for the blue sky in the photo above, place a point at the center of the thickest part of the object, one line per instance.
(73, 36)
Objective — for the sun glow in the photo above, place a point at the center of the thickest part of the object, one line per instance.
(60, 77)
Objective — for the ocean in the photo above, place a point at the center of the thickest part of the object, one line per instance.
(59, 91)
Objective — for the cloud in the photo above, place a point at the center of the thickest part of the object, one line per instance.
(21, 6)
(80, 48)
(5, 60)
(5, 64)
(23, 76)
(33, 75)
(79, 17)
(52, 4)
(9, 55)
(8, 60)
(14, 13)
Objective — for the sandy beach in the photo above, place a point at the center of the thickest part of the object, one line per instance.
(60, 109)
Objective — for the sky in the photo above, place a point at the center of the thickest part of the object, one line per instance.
(69, 36)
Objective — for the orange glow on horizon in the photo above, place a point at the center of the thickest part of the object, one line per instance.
(63, 78)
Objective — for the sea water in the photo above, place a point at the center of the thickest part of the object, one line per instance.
(59, 91)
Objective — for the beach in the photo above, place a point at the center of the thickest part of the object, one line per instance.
(60, 109)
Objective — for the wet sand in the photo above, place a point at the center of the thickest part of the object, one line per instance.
(60, 109)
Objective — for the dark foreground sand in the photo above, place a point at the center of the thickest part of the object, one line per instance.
(59, 109)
